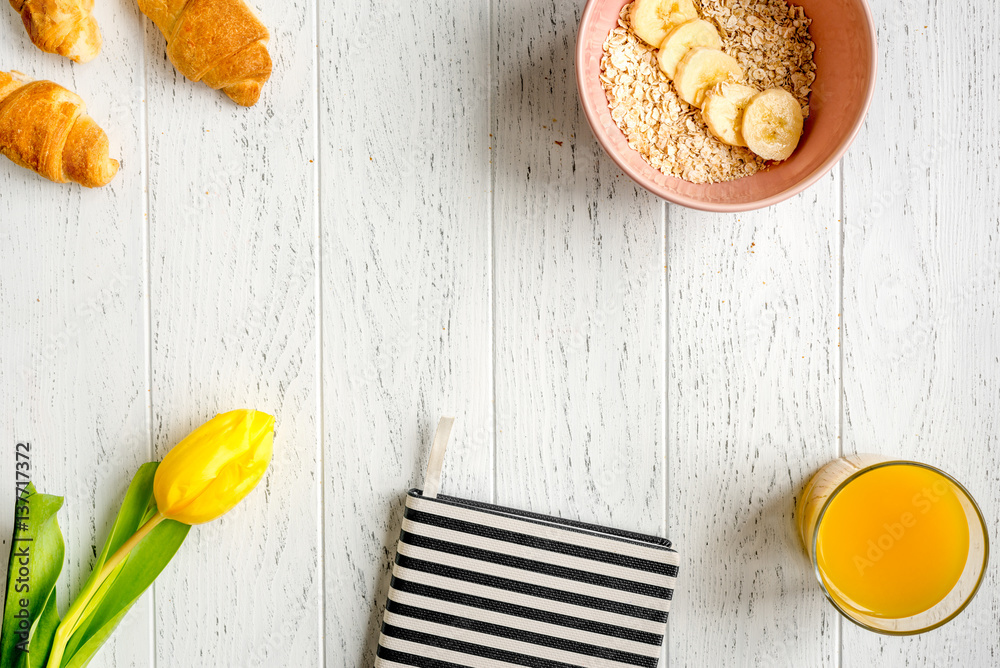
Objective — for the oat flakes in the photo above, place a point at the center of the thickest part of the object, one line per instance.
(769, 38)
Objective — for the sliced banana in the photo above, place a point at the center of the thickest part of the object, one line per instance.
(683, 38)
(723, 111)
(772, 124)
(701, 69)
(652, 19)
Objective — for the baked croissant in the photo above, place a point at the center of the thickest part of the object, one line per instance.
(220, 42)
(45, 128)
(66, 27)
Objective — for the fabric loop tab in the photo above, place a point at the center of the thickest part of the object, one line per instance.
(432, 479)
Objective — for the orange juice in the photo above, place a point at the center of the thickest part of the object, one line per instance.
(893, 542)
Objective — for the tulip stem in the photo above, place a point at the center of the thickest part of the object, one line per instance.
(68, 625)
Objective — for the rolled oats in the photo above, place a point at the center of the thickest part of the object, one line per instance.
(769, 38)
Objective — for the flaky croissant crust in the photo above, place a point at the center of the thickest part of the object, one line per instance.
(45, 128)
(64, 27)
(220, 42)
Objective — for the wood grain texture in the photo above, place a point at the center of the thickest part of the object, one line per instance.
(922, 305)
(416, 221)
(406, 283)
(579, 289)
(72, 288)
(753, 403)
(233, 254)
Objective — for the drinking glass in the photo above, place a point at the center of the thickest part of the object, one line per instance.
(829, 482)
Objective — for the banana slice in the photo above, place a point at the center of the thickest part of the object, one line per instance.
(683, 38)
(701, 69)
(652, 19)
(772, 124)
(723, 111)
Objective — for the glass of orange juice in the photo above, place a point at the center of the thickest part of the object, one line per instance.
(898, 547)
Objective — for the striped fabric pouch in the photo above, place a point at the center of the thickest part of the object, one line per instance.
(479, 585)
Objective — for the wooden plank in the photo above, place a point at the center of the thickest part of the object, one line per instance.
(579, 294)
(72, 294)
(693, 405)
(233, 253)
(406, 283)
(753, 404)
(921, 311)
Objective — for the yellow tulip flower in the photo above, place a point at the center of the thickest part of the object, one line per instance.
(214, 467)
(202, 478)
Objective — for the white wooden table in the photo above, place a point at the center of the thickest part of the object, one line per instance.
(416, 221)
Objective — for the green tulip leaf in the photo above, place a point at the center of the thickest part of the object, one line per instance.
(133, 576)
(42, 632)
(30, 614)
(130, 516)
(134, 508)
(86, 652)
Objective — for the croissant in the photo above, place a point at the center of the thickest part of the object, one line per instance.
(220, 42)
(45, 128)
(65, 27)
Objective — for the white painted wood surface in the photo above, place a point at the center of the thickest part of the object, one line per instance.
(921, 300)
(414, 221)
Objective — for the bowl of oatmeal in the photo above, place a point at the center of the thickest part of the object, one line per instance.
(818, 56)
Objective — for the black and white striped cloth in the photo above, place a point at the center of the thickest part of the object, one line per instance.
(477, 585)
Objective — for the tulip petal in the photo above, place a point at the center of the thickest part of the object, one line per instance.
(215, 466)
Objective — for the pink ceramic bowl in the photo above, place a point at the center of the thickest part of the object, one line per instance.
(846, 55)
